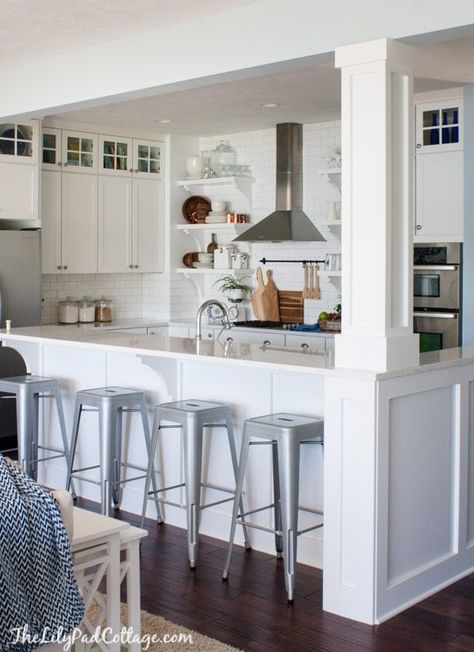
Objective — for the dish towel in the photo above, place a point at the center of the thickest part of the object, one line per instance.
(38, 590)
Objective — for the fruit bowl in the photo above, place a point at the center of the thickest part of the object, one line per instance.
(330, 325)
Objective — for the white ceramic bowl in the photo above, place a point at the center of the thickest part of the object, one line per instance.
(218, 206)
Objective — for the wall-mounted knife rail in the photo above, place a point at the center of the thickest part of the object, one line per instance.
(308, 261)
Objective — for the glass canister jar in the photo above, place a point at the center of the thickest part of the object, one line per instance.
(68, 311)
(103, 310)
(86, 310)
(223, 158)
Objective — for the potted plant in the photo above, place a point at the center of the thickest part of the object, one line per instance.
(233, 287)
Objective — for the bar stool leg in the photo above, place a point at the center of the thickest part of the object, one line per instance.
(146, 431)
(244, 455)
(233, 454)
(288, 458)
(277, 500)
(24, 420)
(62, 426)
(150, 471)
(107, 442)
(192, 436)
(74, 435)
(34, 436)
(117, 457)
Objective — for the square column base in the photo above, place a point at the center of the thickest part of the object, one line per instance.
(377, 352)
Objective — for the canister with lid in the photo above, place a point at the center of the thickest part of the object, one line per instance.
(103, 310)
(68, 311)
(86, 310)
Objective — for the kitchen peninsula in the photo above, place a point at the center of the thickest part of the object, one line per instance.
(398, 505)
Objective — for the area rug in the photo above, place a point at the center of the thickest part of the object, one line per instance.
(170, 634)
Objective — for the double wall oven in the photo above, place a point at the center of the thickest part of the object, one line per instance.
(438, 295)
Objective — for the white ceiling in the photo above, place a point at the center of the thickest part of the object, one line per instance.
(35, 29)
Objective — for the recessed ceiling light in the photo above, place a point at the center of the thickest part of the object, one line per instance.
(165, 121)
(270, 105)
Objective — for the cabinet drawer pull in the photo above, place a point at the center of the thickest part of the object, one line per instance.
(418, 227)
(305, 346)
(266, 342)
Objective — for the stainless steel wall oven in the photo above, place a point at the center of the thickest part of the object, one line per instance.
(438, 295)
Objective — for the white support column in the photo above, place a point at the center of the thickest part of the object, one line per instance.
(377, 206)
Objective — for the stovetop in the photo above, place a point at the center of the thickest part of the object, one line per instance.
(276, 325)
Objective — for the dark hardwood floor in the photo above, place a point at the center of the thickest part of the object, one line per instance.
(250, 610)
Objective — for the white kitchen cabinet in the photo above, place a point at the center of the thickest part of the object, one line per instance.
(19, 191)
(51, 151)
(51, 222)
(439, 167)
(69, 223)
(79, 151)
(440, 197)
(19, 175)
(261, 337)
(116, 157)
(130, 225)
(115, 224)
(147, 159)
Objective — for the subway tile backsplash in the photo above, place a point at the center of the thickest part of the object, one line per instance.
(170, 295)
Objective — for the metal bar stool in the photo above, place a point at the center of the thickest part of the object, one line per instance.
(28, 390)
(284, 432)
(192, 417)
(110, 403)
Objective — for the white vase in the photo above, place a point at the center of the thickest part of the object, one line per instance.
(194, 166)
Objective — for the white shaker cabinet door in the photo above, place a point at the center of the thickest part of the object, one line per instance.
(439, 197)
(79, 223)
(19, 191)
(115, 224)
(51, 222)
(147, 225)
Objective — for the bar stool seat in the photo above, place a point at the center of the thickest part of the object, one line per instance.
(285, 433)
(192, 416)
(27, 390)
(110, 403)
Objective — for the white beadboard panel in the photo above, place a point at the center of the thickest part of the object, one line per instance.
(470, 496)
(421, 493)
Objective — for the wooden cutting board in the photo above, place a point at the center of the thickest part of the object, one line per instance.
(271, 310)
(257, 303)
(291, 306)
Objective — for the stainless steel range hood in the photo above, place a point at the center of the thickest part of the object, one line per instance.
(288, 221)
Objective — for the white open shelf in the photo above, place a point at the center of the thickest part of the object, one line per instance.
(333, 175)
(224, 227)
(210, 270)
(243, 184)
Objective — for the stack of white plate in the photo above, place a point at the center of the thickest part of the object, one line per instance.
(205, 261)
(216, 217)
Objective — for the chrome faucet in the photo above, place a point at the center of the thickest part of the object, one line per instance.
(211, 302)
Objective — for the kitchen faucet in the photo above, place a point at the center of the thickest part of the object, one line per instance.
(211, 302)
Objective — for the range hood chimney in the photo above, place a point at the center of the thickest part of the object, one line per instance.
(288, 221)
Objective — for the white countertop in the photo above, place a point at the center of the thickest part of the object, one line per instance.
(248, 354)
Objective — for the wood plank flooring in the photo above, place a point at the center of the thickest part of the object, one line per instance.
(250, 610)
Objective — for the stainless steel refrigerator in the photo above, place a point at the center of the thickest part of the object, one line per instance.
(20, 278)
(20, 302)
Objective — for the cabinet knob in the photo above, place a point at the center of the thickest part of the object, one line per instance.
(130, 266)
(418, 227)
(136, 266)
(305, 346)
(65, 267)
(59, 163)
(418, 146)
(59, 267)
(66, 164)
(266, 342)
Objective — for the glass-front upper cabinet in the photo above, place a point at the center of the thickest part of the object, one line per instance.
(147, 158)
(51, 149)
(18, 142)
(439, 125)
(79, 152)
(115, 155)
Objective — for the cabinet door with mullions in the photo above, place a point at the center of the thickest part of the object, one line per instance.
(18, 142)
(115, 155)
(439, 126)
(80, 152)
(147, 159)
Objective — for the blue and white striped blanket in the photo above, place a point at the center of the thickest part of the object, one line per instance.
(38, 591)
